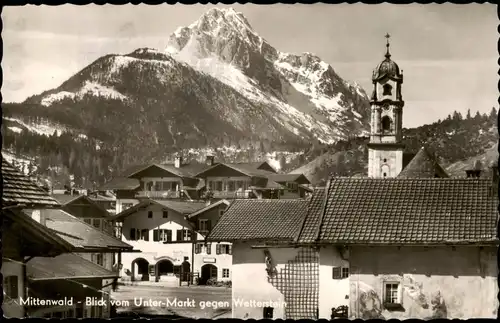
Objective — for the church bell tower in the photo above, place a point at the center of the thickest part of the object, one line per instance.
(385, 150)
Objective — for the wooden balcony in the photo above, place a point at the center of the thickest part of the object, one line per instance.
(159, 194)
(231, 195)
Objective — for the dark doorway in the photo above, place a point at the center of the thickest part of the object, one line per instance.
(140, 266)
(185, 270)
(207, 271)
(164, 267)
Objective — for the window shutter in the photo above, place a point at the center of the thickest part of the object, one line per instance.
(145, 234)
(197, 248)
(132, 234)
(197, 225)
(156, 235)
(209, 225)
(192, 235)
(337, 273)
(169, 235)
(209, 248)
(229, 249)
(217, 249)
(179, 235)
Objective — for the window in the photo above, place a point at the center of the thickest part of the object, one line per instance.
(204, 225)
(387, 89)
(79, 310)
(340, 272)
(218, 186)
(221, 212)
(88, 221)
(132, 235)
(184, 235)
(224, 249)
(10, 287)
(70, 313)
(386, 124)
(198, 247)
(97, 258)
(268, 312)
(208, 248)
(225, 272)
(392, 294)
(150, 214)
(145, 234)
(231, 186)
(165, 214)
(96, 223)
(292, 186)
(162, 235)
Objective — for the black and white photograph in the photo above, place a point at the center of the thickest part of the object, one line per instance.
(246, 161)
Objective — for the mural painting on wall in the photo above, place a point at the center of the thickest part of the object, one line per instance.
(370, 305)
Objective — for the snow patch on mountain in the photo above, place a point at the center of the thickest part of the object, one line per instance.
(22, 163)
(41, 129)
(92, 88)
(15, 129)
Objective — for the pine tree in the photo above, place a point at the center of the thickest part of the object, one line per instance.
(468, 114)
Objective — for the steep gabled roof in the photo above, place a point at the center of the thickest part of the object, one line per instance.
(185, 170)
(298, 178)
(70, 200)
(181, 207)
(409, 211)
(19, 189)
(310, 226)
(121, 183)
(65, 266)
(423, 165)
(80, 234)
(256, 219)
(247, 169)
(33, 233)
(209, 207)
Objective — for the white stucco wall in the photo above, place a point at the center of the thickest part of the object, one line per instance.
(120, 202)
(154, 251)
(332, 292)
(250, 280)
(12, 308)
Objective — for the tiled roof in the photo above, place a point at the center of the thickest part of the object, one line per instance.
(410, 211)
(121, 183)
(289, 178)
(209, 207)
(248, 169)
(79, 233)
(423, 165)
(315, 208)
(64, 198)
(47, 243)
(65, 266)
(256, 219)
(186, 170)
(270, 184)
(73, 200)
(17, 188)
(178, 206)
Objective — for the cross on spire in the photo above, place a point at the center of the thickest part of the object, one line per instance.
(387, 36)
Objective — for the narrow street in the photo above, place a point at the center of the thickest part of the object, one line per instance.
(173, 302)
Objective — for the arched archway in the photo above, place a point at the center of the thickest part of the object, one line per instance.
(164, 267)
(140, 266)
(207, 271)
(386, 124)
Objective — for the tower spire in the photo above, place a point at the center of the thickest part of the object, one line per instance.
(387, 54)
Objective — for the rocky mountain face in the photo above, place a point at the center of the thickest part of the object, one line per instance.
(216, 78)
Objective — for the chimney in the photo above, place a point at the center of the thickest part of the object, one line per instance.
(209, 160)
(178, 161)
(475, 172)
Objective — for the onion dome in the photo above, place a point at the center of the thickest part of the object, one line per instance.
(387, 68)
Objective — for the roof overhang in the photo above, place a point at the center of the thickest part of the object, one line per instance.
(209, 207)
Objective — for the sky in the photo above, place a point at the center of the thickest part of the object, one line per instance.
(448, 52)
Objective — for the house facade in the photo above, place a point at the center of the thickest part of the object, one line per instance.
(171, 237)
